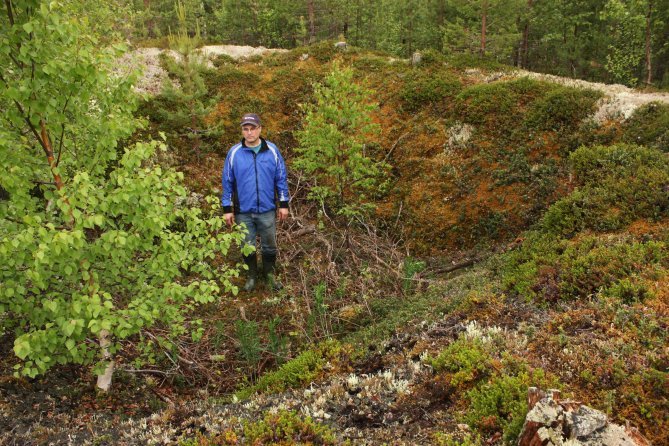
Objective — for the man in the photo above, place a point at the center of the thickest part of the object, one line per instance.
(254, 176)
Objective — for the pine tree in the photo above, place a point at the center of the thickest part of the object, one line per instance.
(187, 106)
(333, 146)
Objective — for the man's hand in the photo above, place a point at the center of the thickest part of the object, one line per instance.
(283, 214)
(229, 219)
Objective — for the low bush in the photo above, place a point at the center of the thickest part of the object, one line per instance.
(432, 57)
(466, 359)
(465, 439)
(629, 291)
(411, 268)
(619, 184)
(532, 264)
(234, 79)
(294, 373)
(468, 61)
(572, 252)
(552, 270)
(501, 403)
(324, 51)
(649, 126)
(562, 109)
(221, 60)
(487, 103)
(594, 263)
(280, 428)
(370, 63)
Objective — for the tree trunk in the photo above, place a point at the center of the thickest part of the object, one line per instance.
(649, 70)
(312, 21)
(48, 151)
(410, 40)
(150, 20)
(105, 379)
(572, 60)
(484, 19)
(524, 47)
(255, 9)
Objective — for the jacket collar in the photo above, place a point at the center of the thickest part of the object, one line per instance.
(263, 144)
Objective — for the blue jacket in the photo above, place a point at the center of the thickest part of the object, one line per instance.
(253, 182)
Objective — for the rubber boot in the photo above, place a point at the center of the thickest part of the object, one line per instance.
(268, 265)
(252, 273)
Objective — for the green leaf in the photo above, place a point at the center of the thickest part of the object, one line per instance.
(22, 349)
(68, 328)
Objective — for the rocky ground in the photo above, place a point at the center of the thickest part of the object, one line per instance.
(390, 396)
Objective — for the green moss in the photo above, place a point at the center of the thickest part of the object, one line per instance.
(295, 373)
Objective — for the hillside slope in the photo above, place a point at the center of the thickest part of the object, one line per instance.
(477, 153)
(481, 152)
(524, 241)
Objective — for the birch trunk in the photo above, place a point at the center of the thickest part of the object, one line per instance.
(105, 379)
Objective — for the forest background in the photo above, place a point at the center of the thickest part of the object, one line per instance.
(603, 40)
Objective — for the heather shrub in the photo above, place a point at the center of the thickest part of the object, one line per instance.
(618, 184)
(562, 109)
(423, 88)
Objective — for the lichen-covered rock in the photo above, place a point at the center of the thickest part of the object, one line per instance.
(586, 421)
(551, 422)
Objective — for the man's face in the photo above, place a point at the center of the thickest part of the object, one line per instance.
(251, 134)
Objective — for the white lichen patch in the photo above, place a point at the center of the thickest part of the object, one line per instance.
(485, 334)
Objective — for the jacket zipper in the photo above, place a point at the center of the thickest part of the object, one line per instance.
(255, 167)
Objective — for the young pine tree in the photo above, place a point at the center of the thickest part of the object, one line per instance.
(333, 146)
(188, 105)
